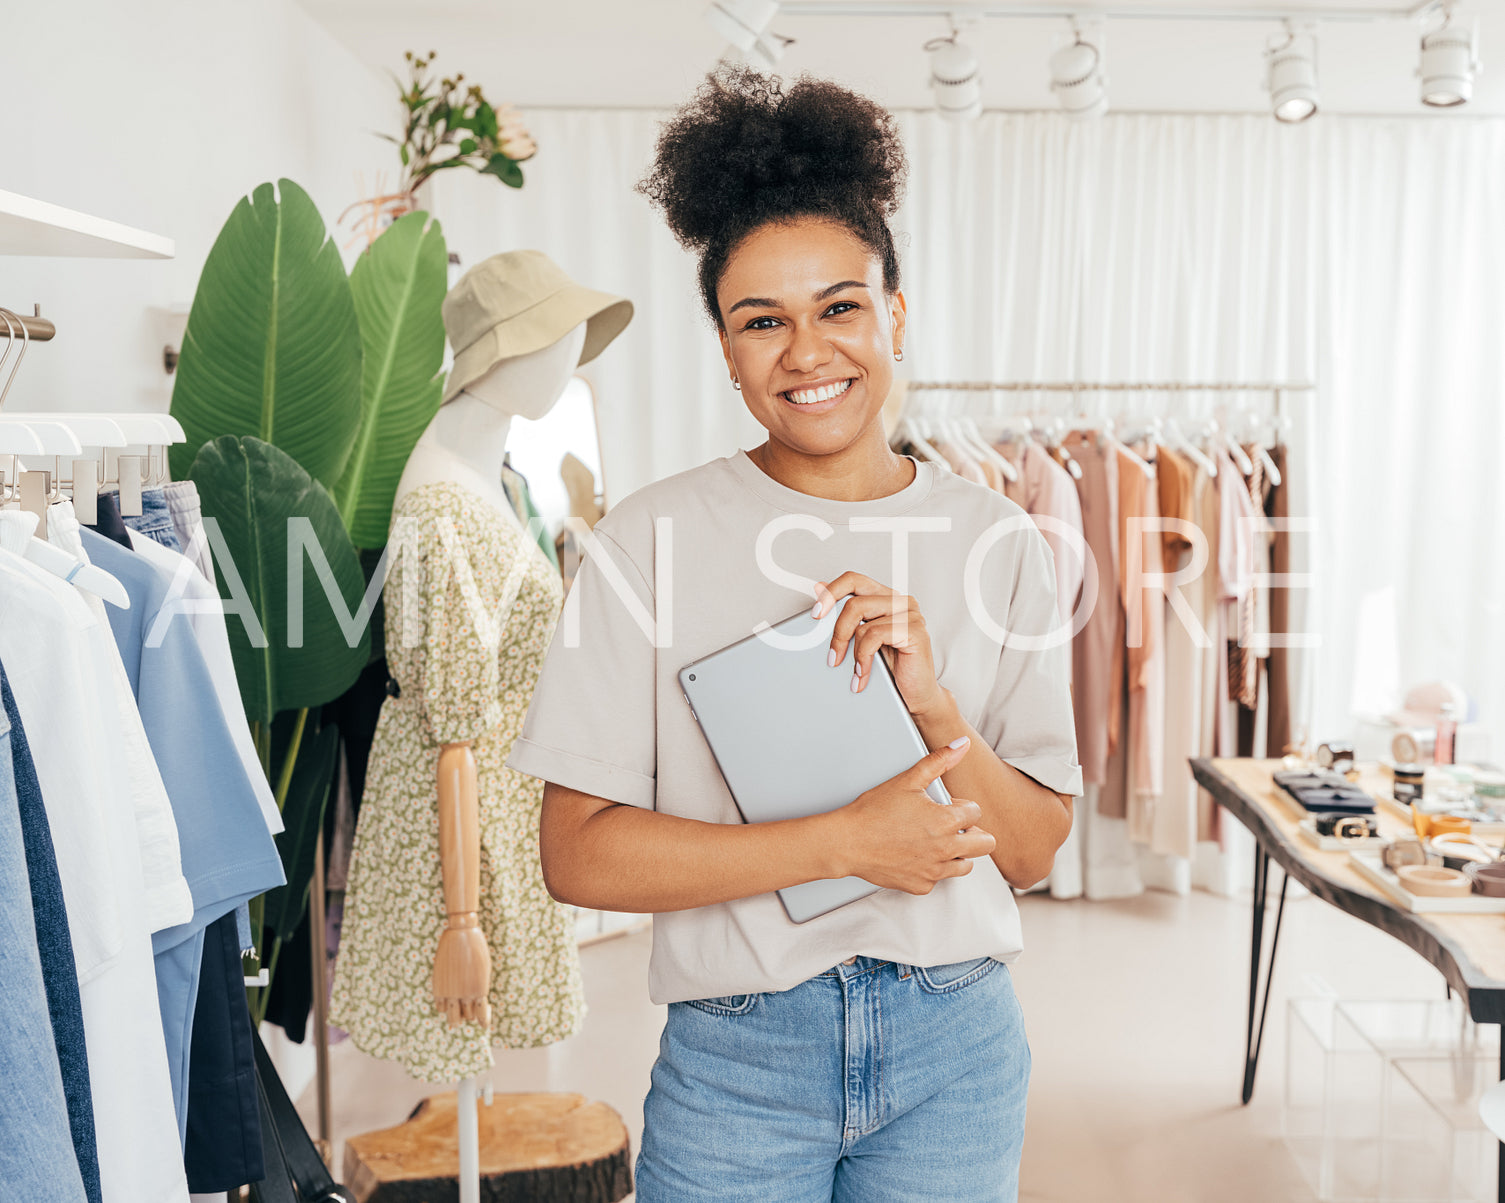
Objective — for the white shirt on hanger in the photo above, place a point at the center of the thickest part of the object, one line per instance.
(55, 654)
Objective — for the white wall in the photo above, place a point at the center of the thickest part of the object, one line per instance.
(161, 114)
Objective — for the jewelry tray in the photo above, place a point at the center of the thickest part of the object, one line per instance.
(1372, 869)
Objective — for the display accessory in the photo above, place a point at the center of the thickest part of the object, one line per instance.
(1434, 881)
(1323, 792)
(1408, 779)
(519, 302)
(1488, 880)
(791, 738)
(1344, 826)
(1458, 849)
(1427, 825)
(1405, 851)
(1335, 756)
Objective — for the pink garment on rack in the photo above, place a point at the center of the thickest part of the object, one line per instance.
(961, 461)
(1045, 489)
(1097, 660)
(1140, 554)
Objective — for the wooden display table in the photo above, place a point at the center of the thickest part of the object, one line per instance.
(535, 1148)
(1468, 950)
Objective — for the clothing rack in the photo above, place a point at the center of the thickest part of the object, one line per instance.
(1118, 386)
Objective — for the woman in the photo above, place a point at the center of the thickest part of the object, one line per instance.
(876, 1052)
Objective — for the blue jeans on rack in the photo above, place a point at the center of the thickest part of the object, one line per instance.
(37, 1157)
(873, 1082)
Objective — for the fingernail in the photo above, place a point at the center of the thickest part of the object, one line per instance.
(856, 682)
(960, 743)
(857, 667)
(831, 658)
(815, 613)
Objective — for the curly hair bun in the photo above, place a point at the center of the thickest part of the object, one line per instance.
(744, 151)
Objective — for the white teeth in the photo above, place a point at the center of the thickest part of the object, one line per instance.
(811, 396)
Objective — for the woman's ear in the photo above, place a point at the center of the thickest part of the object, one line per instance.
(726, 353)
(897, 313)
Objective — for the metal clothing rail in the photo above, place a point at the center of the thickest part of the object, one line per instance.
(1045, 386)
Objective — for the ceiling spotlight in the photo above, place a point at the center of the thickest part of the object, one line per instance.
(1448, 62)
(1077, 79)
(768, 50)
(742, 22)
(1291, 75)
(954, 79)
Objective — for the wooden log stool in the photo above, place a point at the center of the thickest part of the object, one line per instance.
(535, 1148)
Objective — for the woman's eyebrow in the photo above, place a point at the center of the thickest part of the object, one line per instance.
(835, 288)
(769, 303)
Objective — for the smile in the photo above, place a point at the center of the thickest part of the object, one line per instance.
(813, 396)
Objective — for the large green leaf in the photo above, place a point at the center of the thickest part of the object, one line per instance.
(254, 491)
(398, 287)
(302, 817)
(272, 347)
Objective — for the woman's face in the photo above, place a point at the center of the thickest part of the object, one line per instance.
(808, 330)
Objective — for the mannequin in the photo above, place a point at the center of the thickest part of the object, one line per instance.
(465, 445)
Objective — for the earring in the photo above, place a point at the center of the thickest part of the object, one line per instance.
(737, 384)
(899, 355)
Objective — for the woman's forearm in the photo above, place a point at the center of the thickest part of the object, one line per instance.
(1029, 821)
(622, 858)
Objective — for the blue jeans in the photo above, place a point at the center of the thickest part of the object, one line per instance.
(867, 1083)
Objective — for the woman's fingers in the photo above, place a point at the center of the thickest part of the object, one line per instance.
(826, 592)
(975, 842)
(861, 612)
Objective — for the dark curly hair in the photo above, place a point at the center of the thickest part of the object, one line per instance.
(744, 152)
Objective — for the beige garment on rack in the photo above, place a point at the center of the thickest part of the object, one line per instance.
(1181, 486)
(1097, 651)
(1140, 555)
(1045, 489)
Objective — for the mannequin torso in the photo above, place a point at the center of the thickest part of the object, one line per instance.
(465, 444)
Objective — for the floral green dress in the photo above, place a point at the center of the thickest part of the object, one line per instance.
(468, 619)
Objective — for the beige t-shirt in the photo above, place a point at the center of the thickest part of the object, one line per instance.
(710, 554)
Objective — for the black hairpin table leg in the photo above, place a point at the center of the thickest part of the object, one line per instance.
(1255, 1033)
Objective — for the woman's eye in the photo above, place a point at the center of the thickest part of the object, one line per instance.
(754, 324)
(839, 308)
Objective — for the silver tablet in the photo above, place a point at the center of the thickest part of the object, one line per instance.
(792, 739)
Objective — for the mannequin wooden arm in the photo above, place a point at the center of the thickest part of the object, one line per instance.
(462, 966)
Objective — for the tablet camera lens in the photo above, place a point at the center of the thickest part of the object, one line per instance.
(692, 676)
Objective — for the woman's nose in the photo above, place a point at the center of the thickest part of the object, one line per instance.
(808, 349)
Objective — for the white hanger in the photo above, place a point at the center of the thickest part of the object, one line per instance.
(1179, 442)
(59, 563)
(971, 438)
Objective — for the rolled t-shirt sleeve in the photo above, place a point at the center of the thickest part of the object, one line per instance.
(592, 723)
(1027, 718)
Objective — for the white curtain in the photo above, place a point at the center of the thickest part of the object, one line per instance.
(1366, 255)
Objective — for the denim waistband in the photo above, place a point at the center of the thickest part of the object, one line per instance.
(861, 965)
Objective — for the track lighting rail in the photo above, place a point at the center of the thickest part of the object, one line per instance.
(918, 8)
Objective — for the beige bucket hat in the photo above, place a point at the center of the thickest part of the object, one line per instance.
(519, 302)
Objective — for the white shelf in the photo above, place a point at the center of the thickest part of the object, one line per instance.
(33, 227)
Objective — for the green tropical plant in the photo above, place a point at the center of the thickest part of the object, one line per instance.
(272, 347)
(252, 489)
(294, 381)
(398, 287)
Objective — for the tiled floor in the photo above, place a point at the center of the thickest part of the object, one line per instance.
(1135, 1013)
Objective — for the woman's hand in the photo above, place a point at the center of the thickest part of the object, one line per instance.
(878, 617)
(896, 836)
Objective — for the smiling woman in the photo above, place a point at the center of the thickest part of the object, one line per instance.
(876, 1050)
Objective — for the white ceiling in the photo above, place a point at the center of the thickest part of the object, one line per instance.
(609, 53)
